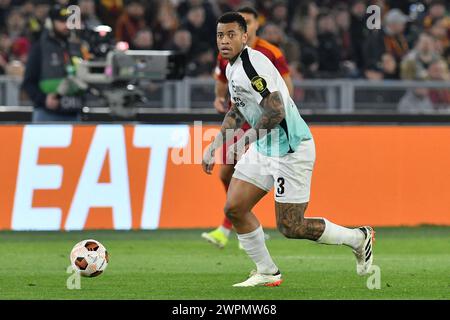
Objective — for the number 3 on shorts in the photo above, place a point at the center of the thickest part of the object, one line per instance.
(280, 188)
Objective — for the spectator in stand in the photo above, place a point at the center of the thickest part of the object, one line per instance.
(329, 50)
(221, 6)
(152, 9)
(27, 10)
(309, 47)
(301, 12)
(20, 45)
(5, 6)
(358, 32)
(440, 30)
(263, 7)
(446, 56)
(64, 3)
(414, 65)
(291, 50)
(203, 63)
(275, 35)
(307, 9)
(37, 20)
(165, 26)
(15, 24)
(272, 33)
(342, 18)
(5, 49)
(131, 20)
(109, 11)
(89, 18)
(184, 6)
(436, 11)
(196, 23)
(389, 66)
(383, 44)
(344, 40)
(438, 71)
(182, 42)
(333, 44)
(209, 18)
(279, 15)
(143, 40)
(27, 7)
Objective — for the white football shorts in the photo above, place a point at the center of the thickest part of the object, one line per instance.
(290, 174)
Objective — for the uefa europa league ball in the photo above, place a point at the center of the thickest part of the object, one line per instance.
(89, 258)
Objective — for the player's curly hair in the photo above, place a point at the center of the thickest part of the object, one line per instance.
(231, 17)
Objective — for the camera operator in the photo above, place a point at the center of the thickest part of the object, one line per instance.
(50, 70)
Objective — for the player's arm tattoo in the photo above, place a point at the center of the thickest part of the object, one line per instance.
(291, 221)
(273, 114)
(233, 120)
(273, 111)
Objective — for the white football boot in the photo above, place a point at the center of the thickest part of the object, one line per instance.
(259, 279)
(364, 254)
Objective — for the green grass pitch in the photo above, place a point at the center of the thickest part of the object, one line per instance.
(178, 264)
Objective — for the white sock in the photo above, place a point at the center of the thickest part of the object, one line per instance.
(334, 234)
(225, 231)
(255, 246)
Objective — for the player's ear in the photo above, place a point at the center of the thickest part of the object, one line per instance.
(245, 37)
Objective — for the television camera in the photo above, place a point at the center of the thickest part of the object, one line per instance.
(112, 78)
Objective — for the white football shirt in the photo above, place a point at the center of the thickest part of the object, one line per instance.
(251, 77)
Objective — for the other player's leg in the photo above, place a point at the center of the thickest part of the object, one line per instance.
(241, 198)
(219, 236)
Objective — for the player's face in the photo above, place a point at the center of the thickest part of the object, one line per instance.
(230, 39)
(252, 24)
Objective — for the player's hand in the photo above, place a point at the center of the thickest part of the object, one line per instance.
(52, 101)
(220, 105)
(208, 161)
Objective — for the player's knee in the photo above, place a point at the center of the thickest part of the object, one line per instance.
(232, 210)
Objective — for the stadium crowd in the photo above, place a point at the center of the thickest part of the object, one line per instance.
(320, 39)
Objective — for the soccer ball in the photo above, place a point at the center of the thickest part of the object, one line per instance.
(89, 258)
